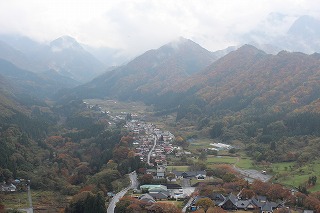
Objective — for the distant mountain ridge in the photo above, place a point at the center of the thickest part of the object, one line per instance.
(302, 36)
(150, 73)
(249, 79)
(40, 85)
(244, 79)
(64, 55)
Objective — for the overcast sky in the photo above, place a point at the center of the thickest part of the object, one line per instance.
(139, 25)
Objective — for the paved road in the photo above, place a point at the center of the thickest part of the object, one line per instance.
(116, 198)
(185, 182)
(251, 175)
(30, 209)
(154, 145)
(184, 209)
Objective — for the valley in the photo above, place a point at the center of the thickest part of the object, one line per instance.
(177, 128)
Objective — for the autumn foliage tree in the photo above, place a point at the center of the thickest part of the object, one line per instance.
(164, 207)
(247, 194)
(216, 209)
(205, 203)
(276, 191)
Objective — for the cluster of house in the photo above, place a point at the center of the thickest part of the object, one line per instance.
(232, 202)
(160, 173)
(14, 185)
(7, 187)
(154, 193)
(145, 134)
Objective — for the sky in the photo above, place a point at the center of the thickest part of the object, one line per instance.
(138, 25)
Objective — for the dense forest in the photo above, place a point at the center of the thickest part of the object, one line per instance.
(69, 149)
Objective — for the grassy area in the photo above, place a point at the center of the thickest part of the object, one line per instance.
(178, 204)
(199, 145)
(291, 175)
(208, 180)
(178, 168)
(244, 163)
(47, 199)
(221, 159)
(116, 107)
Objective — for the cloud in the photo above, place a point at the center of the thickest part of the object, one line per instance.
(138, 25)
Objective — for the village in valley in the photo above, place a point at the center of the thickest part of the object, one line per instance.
(168, 177)
(172, 183)
(153, 146)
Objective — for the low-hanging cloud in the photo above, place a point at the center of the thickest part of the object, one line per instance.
(138, 25)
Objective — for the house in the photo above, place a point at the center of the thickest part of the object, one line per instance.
(245, 205)
(217, 198)
(158, 189)
(150, 187)
(193, 206)
(230, 203)
(160, 195)
(160, 172)
(147, 198)
(8, 188)
(264, 205)
(200, 175)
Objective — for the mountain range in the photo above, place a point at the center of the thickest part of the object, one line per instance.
(63, 55)
(247, 78)
(301, 36)
(176, 74)
(150, 73)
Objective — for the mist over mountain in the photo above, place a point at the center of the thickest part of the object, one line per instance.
(108, 56)
(150, 73)
(64, 55)
(302, 35)
(15, 56)
(39, 85)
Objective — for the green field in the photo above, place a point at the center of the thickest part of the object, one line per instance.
(118, 107)
(245, 163)
(199, 145)
(221, 160)
(177, 168)
(49, 199)
(291, 175)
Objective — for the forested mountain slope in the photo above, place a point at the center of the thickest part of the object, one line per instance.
(40, 85)
(151, 73)
(250, 79)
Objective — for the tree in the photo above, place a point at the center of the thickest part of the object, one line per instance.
(216, 209)
(164, 207)
(276, 192)
(134, 207)
(123, 204)
(120, 153)
(247, 194)
(203, 156)
(170, 176)
(205, 203)
(87, 202)
(216, 130)
(146, 179)
(282, 210)
(261, 188)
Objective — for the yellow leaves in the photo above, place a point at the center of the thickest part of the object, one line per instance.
(294, 100)
(131, 154)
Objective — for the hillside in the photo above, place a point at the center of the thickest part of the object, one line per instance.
(64, 55)
(151, 73)
(249, 78)
(7, 103)
(37, 85)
